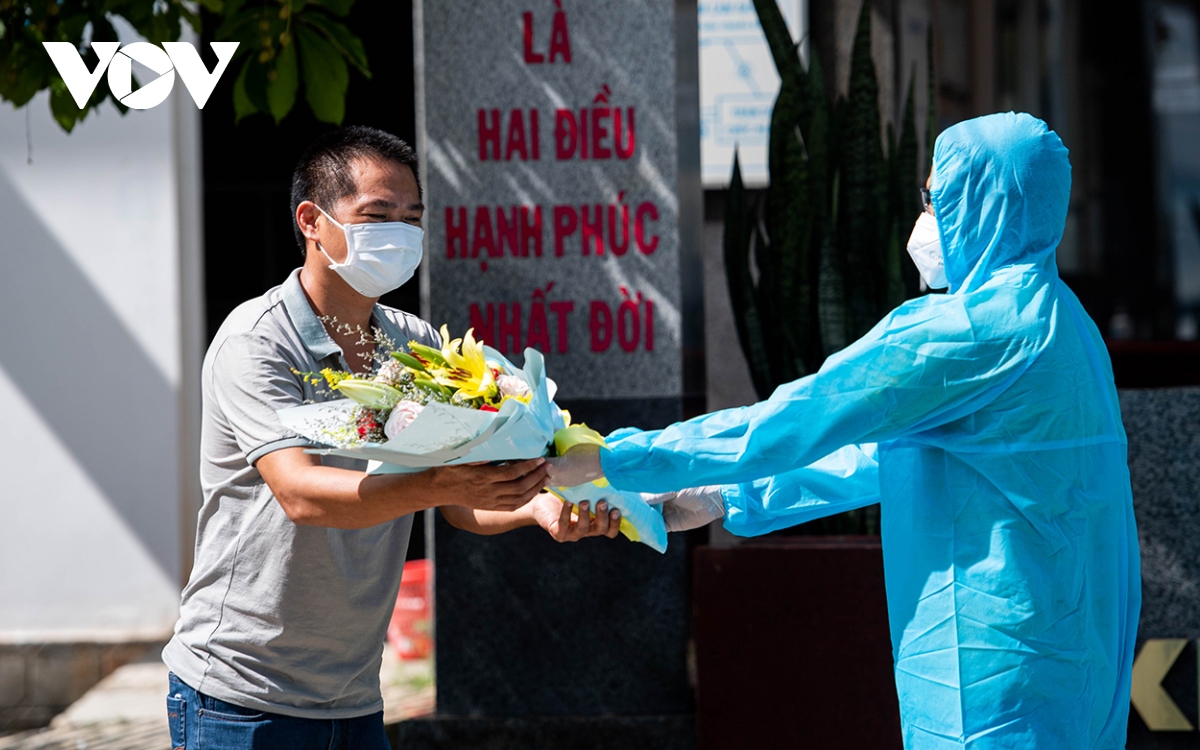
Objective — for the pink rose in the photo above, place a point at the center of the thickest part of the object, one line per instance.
(402, 416)
(511, 385)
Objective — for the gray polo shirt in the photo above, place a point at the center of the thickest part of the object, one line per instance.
(283, 618)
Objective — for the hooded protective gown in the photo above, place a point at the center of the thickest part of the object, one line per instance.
(985, 421)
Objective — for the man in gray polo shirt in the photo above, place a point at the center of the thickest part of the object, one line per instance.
(298, 557)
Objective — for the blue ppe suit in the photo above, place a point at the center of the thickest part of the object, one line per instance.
(985, 421)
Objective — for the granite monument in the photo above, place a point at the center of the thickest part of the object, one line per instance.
(560, 155)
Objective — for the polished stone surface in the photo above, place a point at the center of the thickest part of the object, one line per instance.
(559, 645)
(558, 733)
(1163, 426)
(561, 636)
(529, 627)
(481, 91)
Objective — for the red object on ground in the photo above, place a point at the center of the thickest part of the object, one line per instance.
(411, 630)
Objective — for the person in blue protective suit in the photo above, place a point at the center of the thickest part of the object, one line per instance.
(985, 421)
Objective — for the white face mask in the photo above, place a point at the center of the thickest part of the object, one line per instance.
(380, 256)
(925, 248)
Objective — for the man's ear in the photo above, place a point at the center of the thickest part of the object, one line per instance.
(306, 219)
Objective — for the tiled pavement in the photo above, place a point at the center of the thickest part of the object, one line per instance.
(126, 710)
(131, 735)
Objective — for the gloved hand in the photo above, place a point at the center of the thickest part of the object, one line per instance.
(579, 465)
(689, 508)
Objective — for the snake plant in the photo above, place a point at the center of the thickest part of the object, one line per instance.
(826, 239)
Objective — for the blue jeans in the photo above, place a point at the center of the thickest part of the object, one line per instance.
(202, 722)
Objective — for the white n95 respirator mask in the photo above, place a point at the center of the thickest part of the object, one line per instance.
(925, 249)
(380, 256)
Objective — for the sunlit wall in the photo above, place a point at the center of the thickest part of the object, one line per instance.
(99, 342)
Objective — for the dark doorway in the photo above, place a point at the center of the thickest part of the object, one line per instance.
(249, 245)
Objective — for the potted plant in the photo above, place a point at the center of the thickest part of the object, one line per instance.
(794, 631)
(827, 237)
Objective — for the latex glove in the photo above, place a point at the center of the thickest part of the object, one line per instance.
(577, 466)
(689, 508)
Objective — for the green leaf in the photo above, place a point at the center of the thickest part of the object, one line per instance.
(256, 84)
(62, 106)
(193, 19)
(336, 7)
(325, 76)
(862, 234)
(770, 302)
(825, 260)
(24, 75)
(433, 387)
(789, 226)
(742, 293)
(831, 291)
(281, 92)
(157, 23)
(818, 140)
(241, 27)
(350, 46)
(242, 106)
(71, 28)
(213, 6)
(779, 39)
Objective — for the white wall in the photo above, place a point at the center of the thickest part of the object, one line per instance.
(99, 345)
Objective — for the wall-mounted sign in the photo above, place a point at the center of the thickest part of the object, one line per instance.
(738, 85)
(551, 163)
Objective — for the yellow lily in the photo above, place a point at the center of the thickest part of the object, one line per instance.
(450, 349)
(480, 381)
(460, 365)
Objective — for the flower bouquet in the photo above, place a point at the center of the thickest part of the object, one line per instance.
(462, 403)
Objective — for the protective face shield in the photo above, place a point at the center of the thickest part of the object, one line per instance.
(925, 249)
(380, 256)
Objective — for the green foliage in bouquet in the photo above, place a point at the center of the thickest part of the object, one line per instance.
(282, 44)
(827, 238)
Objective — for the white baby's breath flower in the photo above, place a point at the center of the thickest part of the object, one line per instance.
(391, 373)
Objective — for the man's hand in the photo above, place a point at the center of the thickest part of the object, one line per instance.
(503, 487)
(579, 465)
(316, 495)
(555, 516)
(690, 508)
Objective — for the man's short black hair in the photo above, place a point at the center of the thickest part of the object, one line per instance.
(323, 172)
